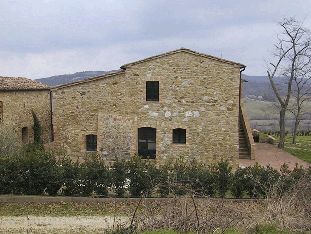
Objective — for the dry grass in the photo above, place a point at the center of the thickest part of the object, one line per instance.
(293, 209)
(289, 213)
(204, 215)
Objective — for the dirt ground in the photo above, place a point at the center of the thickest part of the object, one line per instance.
(268, 154)
(49, 224)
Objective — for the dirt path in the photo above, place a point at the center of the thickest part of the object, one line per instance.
(268, 154)
(49, 224)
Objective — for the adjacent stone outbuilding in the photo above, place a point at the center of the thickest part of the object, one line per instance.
(18, 97)
(180, 103)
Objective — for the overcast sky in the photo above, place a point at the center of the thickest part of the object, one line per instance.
(42, 38)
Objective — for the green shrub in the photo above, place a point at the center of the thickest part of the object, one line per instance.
(164, 180)
(208, 182)
(180, 176)
(43, 172)
(119, 176)
(71, 176)
(143, 176)
(13, 176)
(290, 178)
(221, 171)
(240, 179)
(95, 176)
(255, 181)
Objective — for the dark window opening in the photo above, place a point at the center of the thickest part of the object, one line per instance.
(256, 138)
(147, 143)
(152, 90)
(25, 135)
(179, 136)
(91, 143)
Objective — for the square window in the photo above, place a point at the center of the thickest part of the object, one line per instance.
(179, 136)
(91, 142)
(152, 90)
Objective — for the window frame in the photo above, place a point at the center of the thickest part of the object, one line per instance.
(152, 91)
(91, 143)
(147, 142)
(179, 136)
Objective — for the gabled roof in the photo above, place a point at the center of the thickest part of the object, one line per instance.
(88, 80)
(182, 50)
(21, 83)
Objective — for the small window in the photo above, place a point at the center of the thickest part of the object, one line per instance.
(25, 135)
(179, 136)
(1, 111)
(152, 90)
(91, 142)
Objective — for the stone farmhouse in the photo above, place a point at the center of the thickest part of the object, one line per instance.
(18, 98)
(179, 103)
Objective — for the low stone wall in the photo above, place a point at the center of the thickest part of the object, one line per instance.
(268, 139)
(49, 199)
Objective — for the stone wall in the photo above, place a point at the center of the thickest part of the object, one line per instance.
(116, 136)
(197, 93)
(17, 107)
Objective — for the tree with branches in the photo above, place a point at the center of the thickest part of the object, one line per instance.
(292, 54)
(301, 94)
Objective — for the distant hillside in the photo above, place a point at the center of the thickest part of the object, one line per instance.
(258, 88)
(255, 78)
(69, 78)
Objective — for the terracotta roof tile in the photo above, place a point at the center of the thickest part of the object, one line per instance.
(20, 83)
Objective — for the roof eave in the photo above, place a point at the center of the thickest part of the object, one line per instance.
(8, 90)
(87, 80)
(179, 51)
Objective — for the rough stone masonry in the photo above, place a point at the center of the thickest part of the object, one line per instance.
(197, 93)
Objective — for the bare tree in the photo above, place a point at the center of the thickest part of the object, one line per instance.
(293, 47)
(301, 93)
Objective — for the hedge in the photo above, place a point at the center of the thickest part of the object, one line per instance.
(34, 171)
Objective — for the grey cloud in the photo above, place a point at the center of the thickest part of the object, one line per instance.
(34, 33)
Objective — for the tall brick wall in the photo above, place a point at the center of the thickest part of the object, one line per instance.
(17, 107)
(197, 93)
